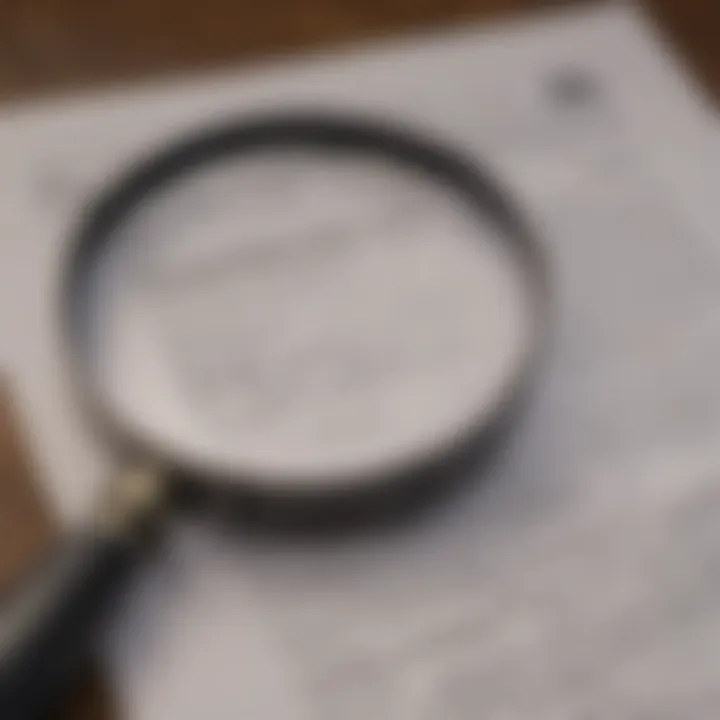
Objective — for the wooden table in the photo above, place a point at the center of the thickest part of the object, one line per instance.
(54, 45)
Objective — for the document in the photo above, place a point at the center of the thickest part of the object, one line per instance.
(578, 578)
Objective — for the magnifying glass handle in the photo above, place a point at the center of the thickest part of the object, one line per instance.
(50, 620)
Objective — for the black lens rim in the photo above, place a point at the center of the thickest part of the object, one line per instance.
(249, 495)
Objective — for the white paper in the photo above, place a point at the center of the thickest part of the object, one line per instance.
(579, 580)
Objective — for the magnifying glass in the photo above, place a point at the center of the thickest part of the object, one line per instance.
(301, 321)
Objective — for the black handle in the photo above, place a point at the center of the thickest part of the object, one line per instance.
(49, 622)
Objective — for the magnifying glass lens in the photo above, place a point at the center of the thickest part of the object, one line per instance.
(305, 315)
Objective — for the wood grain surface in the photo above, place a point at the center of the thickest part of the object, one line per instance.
(54, 45)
